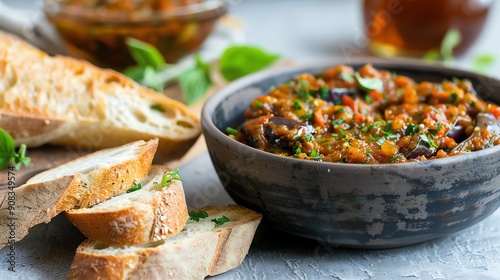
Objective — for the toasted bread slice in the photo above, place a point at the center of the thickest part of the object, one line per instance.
(200, 249)
(82, 183)
(152, 213)
(65, 101)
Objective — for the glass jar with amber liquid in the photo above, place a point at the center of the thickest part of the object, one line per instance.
(412, 28)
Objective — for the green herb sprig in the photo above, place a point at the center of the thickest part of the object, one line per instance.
(134, 188)
(152, 71)
(197, 215)
(169, 177)
(8, 154)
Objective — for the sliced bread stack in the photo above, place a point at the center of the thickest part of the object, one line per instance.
(80, 183)
(135, 217)
(201, 249)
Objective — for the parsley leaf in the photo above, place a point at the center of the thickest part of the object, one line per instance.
(238, 61)
(220, 221)
(426, 139)
(8, 152)
(197, 215)
(411, 129)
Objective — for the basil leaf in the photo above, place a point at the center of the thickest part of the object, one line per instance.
(238, 61)
(432, 55)
(483, 62)
(194, 84)
(152, 79)
(7, 145)
(136, 73)
(145, 54)
(369, 83)
(451, 40)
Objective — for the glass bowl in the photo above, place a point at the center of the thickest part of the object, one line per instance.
(98, 34)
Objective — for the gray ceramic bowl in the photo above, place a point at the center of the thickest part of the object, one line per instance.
(353, 205)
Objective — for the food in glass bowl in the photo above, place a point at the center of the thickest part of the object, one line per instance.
(369, 116)
(97, 30)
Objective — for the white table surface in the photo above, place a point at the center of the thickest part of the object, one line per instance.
(304, 31)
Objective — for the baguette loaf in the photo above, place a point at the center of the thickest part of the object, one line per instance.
(151, 213)
(201, 249)
(65, 101)
(79, 183)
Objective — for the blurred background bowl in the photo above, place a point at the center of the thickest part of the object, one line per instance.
(353, 205)
(98, 34)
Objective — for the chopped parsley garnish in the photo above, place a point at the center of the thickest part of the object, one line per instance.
(453, 98)
(134, 188)
(429, 142)
(338, 122)
(433, 132)
(220, 221)
(343, 134)
(307, 116)
(381, 141)
(324, 92)
(296, 105)
(297, 152)
(341, 110)
(388, 131)
(308, 137)
(411, 129)
(197, 215)
(369, 153)
(316, 155)
(231, 130)
(258, 104)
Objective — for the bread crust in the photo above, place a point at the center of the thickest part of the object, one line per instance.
(98, 107)
(62, 188)
(194, 253)
(154, 215)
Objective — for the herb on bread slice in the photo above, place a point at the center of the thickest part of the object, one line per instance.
(199, 250)
(82, 183)
(150, 213)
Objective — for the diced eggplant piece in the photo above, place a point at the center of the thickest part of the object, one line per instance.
(484, 121)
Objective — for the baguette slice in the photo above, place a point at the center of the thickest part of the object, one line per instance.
(82, 182)
(149, 214)
(201, 249)
(65, 101)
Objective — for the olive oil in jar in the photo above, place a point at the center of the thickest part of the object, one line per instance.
(412, 28)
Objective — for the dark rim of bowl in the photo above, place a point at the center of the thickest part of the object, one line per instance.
(213, 102)
(198, 11)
